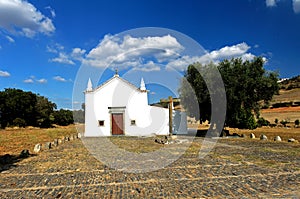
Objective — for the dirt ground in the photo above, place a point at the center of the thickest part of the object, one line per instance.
(233, 168)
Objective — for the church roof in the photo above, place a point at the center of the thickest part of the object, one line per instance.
(116, 76)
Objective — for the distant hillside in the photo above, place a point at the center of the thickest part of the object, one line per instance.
(291, 83)
(289, 93)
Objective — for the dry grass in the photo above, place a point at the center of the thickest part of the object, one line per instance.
(286, 113)
(284, 133)
(136, 144)
(287, 96)
(13, 141)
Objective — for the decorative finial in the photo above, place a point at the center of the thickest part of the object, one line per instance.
(116, 72)
(89, 86)
(142, 85)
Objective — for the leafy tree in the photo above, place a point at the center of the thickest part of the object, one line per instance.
(22, 108)
(44, 112)
(297, 122)
(246, 84)
(63, 117)
(262, 122)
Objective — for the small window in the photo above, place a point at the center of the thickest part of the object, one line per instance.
(101, 122)
(133, 122)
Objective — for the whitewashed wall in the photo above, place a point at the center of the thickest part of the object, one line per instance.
(117, 93)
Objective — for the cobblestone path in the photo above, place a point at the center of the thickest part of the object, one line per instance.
(234, 169)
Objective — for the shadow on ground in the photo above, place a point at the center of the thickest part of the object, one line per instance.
(8, 161)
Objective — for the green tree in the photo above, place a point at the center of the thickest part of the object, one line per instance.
(22, 108)
(246, 84)
(63, 117)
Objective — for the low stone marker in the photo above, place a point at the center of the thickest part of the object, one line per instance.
(252, 136)
(263, 137)
(71, 137)
(277, 139)
(291, 140)
(47, 145)
(24, 153)
(37, 148)
(60, 141)
(55, 142)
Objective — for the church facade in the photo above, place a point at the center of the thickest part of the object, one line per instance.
(118, 107)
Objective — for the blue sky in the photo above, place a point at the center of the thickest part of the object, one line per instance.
(43, 44)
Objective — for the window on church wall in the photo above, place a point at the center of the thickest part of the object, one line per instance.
(101, 122)
(132, 122)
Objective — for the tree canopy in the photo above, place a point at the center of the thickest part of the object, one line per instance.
(21, 108)
(246, 84)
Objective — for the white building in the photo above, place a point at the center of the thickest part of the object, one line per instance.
(118, 107)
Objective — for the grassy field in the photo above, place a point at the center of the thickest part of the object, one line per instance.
(285, 113)
(287, 96)
(284, 133)
(13, 141)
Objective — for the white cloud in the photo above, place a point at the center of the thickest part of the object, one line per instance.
(53, 14)
(270, 3)
(55, 48)
(59, 78)
(4, 73)
(149, 66)
(21, 17)
(127, 51)
(227, 52)
(78, 53)
(28, 81)
(63, 59)
(42, 81)
(10, 39)
(296, 6)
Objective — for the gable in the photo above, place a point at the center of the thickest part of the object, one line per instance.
(120, 81)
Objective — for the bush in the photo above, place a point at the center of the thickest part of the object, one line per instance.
(283, 122)
(276, 121)
(262, 122)
(297, 122)
(19, 122)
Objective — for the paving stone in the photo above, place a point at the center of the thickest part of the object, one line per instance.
(228, 171)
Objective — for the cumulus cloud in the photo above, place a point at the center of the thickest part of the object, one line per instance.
(42, 81)
(227, 52)
(127, 51)
(62, 59)
(4, 73)
(55, 48)
(21, 17)
(29, 81)
(78, 53)
(59, 78)
(270, 3)
(147, 67)
(296, 6)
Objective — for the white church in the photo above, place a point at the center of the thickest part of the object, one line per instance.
(118, 107)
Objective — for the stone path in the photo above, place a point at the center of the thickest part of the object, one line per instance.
(246, 169)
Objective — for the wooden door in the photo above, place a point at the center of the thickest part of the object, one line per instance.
(117, 124)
